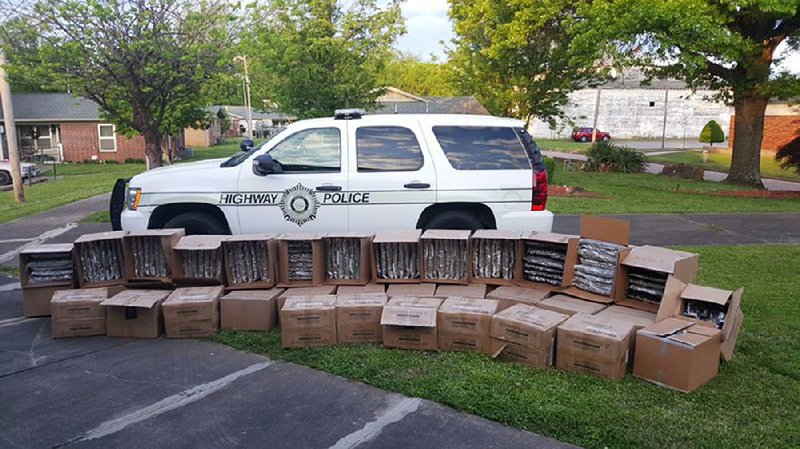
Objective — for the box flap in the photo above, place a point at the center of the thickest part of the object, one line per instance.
(655, 258)
(606, 327)
(408, 316)
(533, 316)
(362, 289)
(318, 302)
(446, 234)
(550, 237)
(48, 248)
(255, 295)
(606, 229)
(462, 291)
(299, 236)
(470, 305)
(110, 235)
(365, 299)
(704, 330)
(251, 237)
(347, 235)
(496, 234)
(80, 294)
(689, 338)
(668, 326)
(411, 290)
(199, 242)
(194, 294)
(397, 236)
(145, 299)
(707, 294)
(309, 291)
(574, 304)
(415, 301)
(166, 232)
(518, 294)
(640, 318)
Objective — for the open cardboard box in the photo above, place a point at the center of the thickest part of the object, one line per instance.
(61, 250)
(135, 313)
(604, 229)
(569, 242)
(364, 262)
(410, 323)
(528, 333)
(427, 267)
(494, 234)
(317, 260)
(674, 303)
(680, 264)
(597, 346)
(210, 244)
(464, 323)
(113, 242)
(167, 238)
(510, 295)
(269, 265)
(386, 237)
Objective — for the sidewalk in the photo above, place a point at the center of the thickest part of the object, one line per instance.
(709, 175)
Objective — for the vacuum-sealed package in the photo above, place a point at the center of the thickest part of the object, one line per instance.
(543, 262)
(494, 256)
(100, 259)
(445, 256)
(199, 259)
(347, 258)
(249, 261)
(148, 254)
(300, 260)
(597, 264)
(47, 264)
(395, 257)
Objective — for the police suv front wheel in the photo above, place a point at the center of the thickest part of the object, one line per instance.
(197, 223)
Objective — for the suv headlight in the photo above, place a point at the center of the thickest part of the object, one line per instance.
(133, 195)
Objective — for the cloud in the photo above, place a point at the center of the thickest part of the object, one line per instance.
(427, 24)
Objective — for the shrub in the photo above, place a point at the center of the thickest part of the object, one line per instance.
(550, 164)
(788, 155)
(712, 133)
(132, 160)
(609, 157)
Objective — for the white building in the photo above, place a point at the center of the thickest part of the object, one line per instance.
(631, 110)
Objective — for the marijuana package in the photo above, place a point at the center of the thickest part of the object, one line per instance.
(643, 275)
(395, 257)
(445, 256)
(197, 260)
(347, 258)
(100, 259)
(494, 256)
(544, 258)
(46, 265)
(148, 254)
(300, 260)
(250, 261)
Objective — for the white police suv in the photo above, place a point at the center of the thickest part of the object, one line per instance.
(353, 172)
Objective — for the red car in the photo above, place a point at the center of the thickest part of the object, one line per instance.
(585, 135)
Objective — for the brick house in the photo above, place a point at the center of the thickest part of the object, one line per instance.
(781, 125)
(64, 127)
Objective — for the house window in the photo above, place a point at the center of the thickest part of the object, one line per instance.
(652, 104)
(108, 137)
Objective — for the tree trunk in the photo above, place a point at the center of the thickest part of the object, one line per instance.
(748, 132)
(152, 145)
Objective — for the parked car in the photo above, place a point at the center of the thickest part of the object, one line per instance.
(28, 171)
(585, 135)
(353, 172)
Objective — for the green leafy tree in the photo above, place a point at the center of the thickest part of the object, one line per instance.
(143, 62)
(409, 73)
(724, 45)
(311, 57)
(712, 133)
(516, 57)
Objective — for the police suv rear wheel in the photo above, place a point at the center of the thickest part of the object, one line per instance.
(5, 178)
(197, 223)
(454, 219)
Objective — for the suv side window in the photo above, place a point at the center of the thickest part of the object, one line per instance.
(387, 148)
(310, 150)
(482, 147)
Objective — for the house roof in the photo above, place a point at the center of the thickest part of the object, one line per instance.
(634, 78)
(432, 105)
(53, 107)
(240, 112)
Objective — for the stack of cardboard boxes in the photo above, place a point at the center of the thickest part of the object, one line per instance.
(518, 298)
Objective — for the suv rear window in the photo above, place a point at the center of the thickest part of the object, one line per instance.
(482, 147)
(387, 148)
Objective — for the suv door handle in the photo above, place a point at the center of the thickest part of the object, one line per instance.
(417, 185)
(328, 188)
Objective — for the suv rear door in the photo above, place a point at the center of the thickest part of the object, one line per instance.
(391, 172)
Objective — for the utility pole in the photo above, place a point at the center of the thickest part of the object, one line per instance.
(247, 103)
(11, 132)
(664, 124)
(596, 113)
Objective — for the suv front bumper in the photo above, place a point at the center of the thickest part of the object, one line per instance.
(136, 220)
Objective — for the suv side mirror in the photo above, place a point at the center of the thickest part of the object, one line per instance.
(264, 165)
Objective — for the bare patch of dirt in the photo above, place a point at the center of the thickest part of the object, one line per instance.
(571, 192)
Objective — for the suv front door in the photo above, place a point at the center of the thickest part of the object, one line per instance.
(312, 166)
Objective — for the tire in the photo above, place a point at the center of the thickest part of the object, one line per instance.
(584, 139)
(197, 223)
(454, 219)
(605, 138)
(5, 178)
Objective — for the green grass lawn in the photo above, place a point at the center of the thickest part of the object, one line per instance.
(228, 149)
(563, 145)
(754, 402)
(721, 161)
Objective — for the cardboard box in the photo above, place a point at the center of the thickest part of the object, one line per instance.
(135, 313)
(372, 287)
(58, 252)
(384, 253)
(509, 296)
(677, 354)
(149, 248)
(410, 323)
(322, 290)
(198, 260)
(358, 318)
(308, 321)
(477, 291)
(359, 261)
(597, 346)
(528, 332)
(411, 290)
(80, 327)
(312, 243)
(192, 312)
(569, 305)
(448, 250)
(78, 303)
(680, 264)
(250, 310)
(100, 259)
(606, 230)
(639, 318)
(568, 243)
(250, 261)
(36, 300)
(463, 324)
(496, 249)
(677, 295)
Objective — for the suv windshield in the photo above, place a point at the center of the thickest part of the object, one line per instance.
(241, 156)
